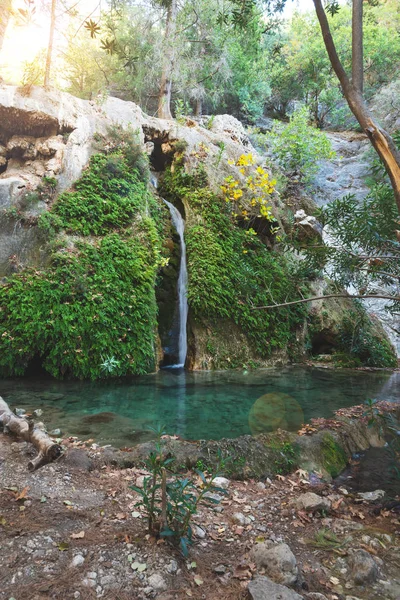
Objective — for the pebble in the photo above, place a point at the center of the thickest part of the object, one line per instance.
(240, 519)
(261, 486)
(199, 532)
(77, 561)
(172, 567)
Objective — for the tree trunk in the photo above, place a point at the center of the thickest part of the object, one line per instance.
(50, 46)
(199, 108)
(164, 96)
(5, 14)
(36, 434)
(379, 138)
(357, 46)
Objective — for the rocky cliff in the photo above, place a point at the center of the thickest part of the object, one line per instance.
(87, 250)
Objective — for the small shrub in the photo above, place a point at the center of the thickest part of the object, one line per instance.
(297, 146)
(170, 504)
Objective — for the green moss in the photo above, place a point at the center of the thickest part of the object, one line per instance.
(95, 303)
(231, 270)
(333, 457)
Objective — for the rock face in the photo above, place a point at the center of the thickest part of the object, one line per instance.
(262, 588)
(277, 560)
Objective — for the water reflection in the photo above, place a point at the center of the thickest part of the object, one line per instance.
(201, 405)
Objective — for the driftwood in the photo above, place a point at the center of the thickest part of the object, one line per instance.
(35, 433)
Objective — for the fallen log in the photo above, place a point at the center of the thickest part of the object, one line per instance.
(35, 433)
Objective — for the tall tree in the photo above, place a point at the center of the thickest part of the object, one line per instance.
(50, 46)
(379, 138)
(357, 46)
(165, 92)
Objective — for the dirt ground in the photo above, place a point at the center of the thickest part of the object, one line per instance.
(67, 532)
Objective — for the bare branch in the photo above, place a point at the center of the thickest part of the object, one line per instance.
(350, 297)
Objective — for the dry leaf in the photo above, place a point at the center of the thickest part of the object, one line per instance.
(22, 495)
(78, 536)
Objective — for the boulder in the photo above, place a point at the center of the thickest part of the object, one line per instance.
(262, 588)
(372, 496)
(306, 226)
(226, 124)
(311, 502)
(277, 560)
(364, 569)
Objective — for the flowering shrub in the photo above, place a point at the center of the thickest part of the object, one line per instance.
(250, 194)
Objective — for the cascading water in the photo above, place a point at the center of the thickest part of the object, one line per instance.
(179, 225)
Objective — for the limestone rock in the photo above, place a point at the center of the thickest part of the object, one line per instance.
(372, 496)
(10, 190)
(364, 569)
(306, 226)
(49, 146)
(231, 126)
(221, 482)
(311, 502)
(277, 560)
(262, 588)
(22, 146)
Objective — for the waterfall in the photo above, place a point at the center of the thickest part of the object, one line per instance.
(179, 225)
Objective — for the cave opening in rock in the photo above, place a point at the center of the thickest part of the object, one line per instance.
(322, 343)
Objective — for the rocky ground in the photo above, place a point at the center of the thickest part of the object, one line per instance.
(70, 532)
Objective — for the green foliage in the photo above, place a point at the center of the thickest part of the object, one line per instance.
(170, 505)
(297, 146)
(333, 456)
(360, 345)
(108, 196)
(364, 251)
(93, 301)
(286, 459)
(230, 271)
(92, 312)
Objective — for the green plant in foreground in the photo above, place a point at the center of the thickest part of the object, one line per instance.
(109, 364)
(170, 504)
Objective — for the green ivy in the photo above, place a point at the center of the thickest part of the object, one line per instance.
(230, 270)
(95, 302)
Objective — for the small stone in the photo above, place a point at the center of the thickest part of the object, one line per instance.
(221, 482)
(55, 432)
(157, 582)
(372, 496)
(172, 567)
(38, 412)
(311, 502)
(213, 497)
(363, 567)
(199, 532)
(220, 569)
(77, 595)
(262, 588)
(77, 561)
(277, 560)
(240, 519)
(20, 412)
(260, 485)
